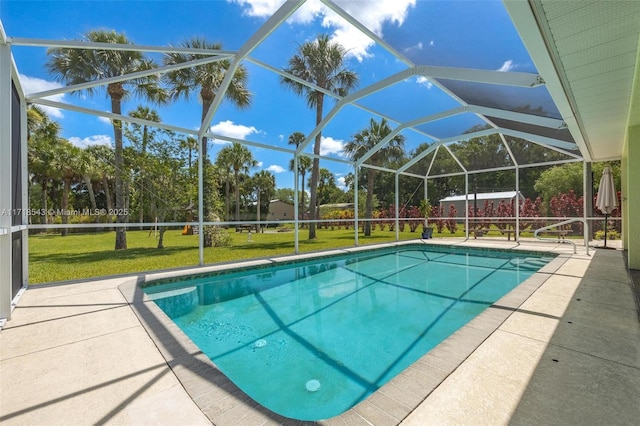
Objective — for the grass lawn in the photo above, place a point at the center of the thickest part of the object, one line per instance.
(56, 258)
(76, 256)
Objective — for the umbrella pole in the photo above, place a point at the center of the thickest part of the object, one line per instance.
(605, 228)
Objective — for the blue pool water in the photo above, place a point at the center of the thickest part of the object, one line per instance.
(311, 340)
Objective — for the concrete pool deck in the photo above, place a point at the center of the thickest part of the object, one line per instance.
(563, 349)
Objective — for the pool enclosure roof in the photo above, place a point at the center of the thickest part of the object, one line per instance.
(558, 74)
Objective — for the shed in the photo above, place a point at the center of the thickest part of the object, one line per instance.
(496, 197)
(280, 210)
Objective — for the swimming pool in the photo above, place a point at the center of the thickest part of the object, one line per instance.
(310, 340)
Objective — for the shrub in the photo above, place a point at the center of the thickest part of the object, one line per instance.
(611, 235)
(451, 223)
(219, 236)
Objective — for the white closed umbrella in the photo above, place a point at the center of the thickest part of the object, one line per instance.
(607, 200)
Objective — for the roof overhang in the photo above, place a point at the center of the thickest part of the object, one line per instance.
(587, 53)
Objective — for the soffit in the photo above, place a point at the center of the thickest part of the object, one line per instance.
(595, 45)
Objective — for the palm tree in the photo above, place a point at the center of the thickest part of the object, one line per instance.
(304, 165)
(66, 162)
(104, 156)
(141, 136)
(296, 138)
(89, 170)
(264, 184)
(223, 163)
(320, 62)
(42, 137)
(75, 66)
(363, 142)
(241, 161)
(38, 121)
(191, 144)
(205, 80)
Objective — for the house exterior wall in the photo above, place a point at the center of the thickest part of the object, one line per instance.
(631, 196)
(280, 210)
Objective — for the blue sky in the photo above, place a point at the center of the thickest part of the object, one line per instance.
(471, 34)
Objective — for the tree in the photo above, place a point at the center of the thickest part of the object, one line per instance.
(320, 62)
(284, 194)
(166, 180)
(205, 80)
(89, 170)
(559, 180)
(304, 165)
(264, 186)
(481, 153)
(241, 160)
(75, 66)
(66, 162)
(141, 136)
(296, 138)
(38, 121)
(328, 192)
(363, 142)
(191, 145)
(105, 160)
(223, 163)
(42, 137)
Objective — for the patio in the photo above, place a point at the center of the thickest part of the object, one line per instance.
(562, 349)
(568, 355)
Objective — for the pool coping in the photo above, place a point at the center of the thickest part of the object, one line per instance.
(224, 403)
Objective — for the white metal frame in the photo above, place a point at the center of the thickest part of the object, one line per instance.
(520, 12)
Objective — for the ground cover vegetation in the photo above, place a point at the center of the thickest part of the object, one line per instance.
(85, 255)
(151, 174)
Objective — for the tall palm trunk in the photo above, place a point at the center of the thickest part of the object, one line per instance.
(236, 175)
(207, 100)
(43, 217)
(107, 192)
(227, 196)
(92, 196)
(302, 195)
(369, 206)
(315, 171)
(116, 92)
(258, 215)
(66, 188)
(145, 135)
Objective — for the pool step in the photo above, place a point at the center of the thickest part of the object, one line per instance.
(529, 262)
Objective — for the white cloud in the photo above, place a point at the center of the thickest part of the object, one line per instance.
(232, 130)
(259, 163)
(340, 183)
(424, 81)
(104, 120)
(372, 14)
(91, 140)
(274, 168)
(258, 8)
(328, 145)
(418, 46)
(35, 85)
(507, 66)
(431, 43)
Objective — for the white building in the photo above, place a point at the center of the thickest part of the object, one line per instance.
(493, 197)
